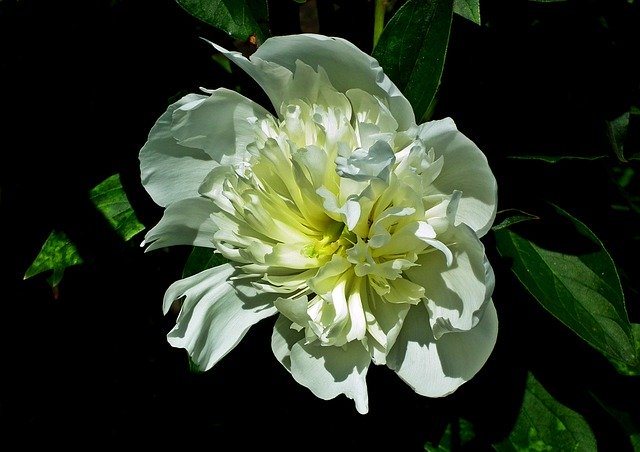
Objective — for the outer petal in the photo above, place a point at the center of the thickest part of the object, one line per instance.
(329, 371)
(437, 368)
(221, 125)
(345, 64)
(216, 314)
(455, 294)
(283, 339)
(465, 169)
(190, 137)
(169, 171)
(326, 371)
(185, 222)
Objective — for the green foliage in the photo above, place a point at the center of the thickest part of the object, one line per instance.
(110, 199)
(557, 158)
(623, 131)
(469, 9)
(457, 434)
(544, 424)
(412, 50)
(201, 259)
(57, 253)
(511, 220)
(241, 19)
(575, 279)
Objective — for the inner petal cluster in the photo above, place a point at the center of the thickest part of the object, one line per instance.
(331, 208)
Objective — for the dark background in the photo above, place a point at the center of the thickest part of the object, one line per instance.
(82, 84)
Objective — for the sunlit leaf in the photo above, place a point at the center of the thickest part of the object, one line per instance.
(201, 259)
(57, 253)
(469, 9)
(412, 50)
(568, 270)
(241, 19)
(544, 424)
(110, 199)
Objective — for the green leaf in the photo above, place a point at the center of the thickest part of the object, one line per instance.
(629, 423)
(569, 272)
(110, 199)
(412, 50)
(556, 158)
(513, 219)
(545, 424)
(469, 9)
(239, 18)
(57, 253)
(201, 259)
(617, 133)
(457, 434)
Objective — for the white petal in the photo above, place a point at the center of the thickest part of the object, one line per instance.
(171, 172)
(349, 213)
(185, 222)
(437, 368)
(283, 338)
(294, 309)
(346, 66)
(455, 293)
(366, 164)
(272, 78)
(220, 125)
(331, 371)
(216, 314)
(465, 169)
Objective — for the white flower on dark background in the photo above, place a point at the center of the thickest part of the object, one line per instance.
(356, 226)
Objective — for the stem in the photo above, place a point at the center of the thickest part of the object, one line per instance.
(378, 20)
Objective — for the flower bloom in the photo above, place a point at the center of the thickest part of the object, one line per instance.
(356, 226)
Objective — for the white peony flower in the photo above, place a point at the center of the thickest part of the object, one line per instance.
(357, 227)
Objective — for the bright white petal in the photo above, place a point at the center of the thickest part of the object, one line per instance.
(346, 66)
(185, 222)
(331, 371)
(465, 169)
(455, 293)
(216, 314)
(220, 125)
(272, 78)
(366, 164)
(283, 339)
(437, 368)
(171, 172)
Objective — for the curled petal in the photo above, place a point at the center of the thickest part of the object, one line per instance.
(346, 66)
(437, 368)
(170, 172)
(224, 139)
(216, 313)
(185, 222)
(455, 293)
(185, 145)
(465, 169)
(331, 371)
